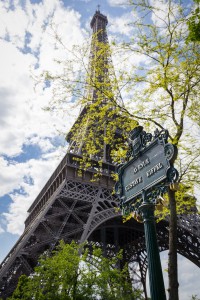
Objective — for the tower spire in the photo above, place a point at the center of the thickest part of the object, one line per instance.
(98, 94)
(99, 21)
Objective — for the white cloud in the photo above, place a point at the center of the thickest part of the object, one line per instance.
(22, 115)
(11, 176)
(121, 3)
(15, 91)
(29, 178)
(14, 24)
(44, 144)
(22, 118)
(121, 24)
(164, 10)
(1, 230)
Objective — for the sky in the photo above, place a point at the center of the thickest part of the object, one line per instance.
(32, 141)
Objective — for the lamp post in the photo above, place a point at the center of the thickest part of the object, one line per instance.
(156, 283)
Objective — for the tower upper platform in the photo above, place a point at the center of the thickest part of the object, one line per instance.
(98, 22)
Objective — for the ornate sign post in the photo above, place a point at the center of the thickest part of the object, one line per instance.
(146, 176)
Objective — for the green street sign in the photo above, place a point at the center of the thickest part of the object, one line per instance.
(149, 168)
(144, 172)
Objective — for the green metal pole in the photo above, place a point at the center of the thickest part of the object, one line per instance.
(156, 282)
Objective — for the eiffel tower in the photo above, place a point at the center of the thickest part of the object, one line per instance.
(71, 206)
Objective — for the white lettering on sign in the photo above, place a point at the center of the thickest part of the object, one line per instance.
(140, 166)
(133, 183)
(155, 169)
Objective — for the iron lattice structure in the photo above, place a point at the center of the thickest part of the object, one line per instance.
(72, 207)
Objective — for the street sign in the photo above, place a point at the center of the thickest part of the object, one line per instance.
(149, 169)
(145, 171)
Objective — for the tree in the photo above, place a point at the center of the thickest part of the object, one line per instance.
(22, 290)
(170, 77)
(162, 91)
(68, 275)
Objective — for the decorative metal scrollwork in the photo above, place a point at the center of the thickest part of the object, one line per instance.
(172, 175)
(135, 140)
(171, 152)
(146, 138)
(138, 139)
(162, 135)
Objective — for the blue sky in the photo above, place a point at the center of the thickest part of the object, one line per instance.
(31, 145)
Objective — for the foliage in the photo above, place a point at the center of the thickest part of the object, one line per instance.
(68, 275)
(169, 79)
(185, 202)
(167, 95)
(194, 23)
(161, 91)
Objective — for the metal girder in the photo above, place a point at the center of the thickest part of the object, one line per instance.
(75, 216)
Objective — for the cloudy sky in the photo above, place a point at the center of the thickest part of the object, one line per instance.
(31, 139)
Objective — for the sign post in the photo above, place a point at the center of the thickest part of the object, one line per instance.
(156, 283)
(142, 180)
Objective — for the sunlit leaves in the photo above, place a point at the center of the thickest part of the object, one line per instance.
(74, 272)
(194, 23)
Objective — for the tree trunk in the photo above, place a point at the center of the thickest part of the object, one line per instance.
(172, 262)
